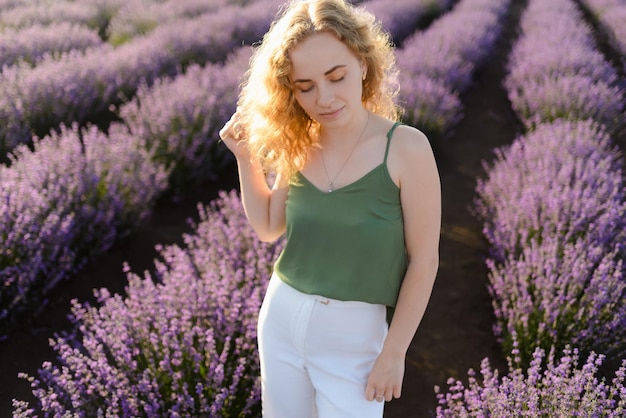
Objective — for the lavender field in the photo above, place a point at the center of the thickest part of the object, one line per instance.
(131, 281)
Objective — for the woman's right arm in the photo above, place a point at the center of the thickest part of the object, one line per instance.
(264, 205)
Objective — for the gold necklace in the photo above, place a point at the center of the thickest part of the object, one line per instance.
(331, 181)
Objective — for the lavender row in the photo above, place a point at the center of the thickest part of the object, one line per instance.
(91, 13)
(82, 85)
(553, 202)
(139, 17)
(556, 385)
(611, 14)
(178, 118)
(556, 71)
(563, 281)
(69, 198)
(172, 126)
(9, 4)
(437, 65)
(31, 45)
(401, 17)
(183, 340)
(555, 216)
(555, 181)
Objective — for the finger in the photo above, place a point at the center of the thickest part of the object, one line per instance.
(397, 392)
(229, 128)
(388, 396)
(370, 392)
(380, 395)
(226, 131)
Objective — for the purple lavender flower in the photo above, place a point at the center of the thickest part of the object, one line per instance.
(139, 17)
(64, 201)
(82, 85)
(429, 104)
(437, 64)
(611, 15)
(562, 179)
(86, 13)
(568, 97)
(554, 207)
(32, 44)
(401, 17)
(555, 70)
(554, 212)
(557, 293)
(455, 44)
(178, 119)
(183, 339)
(552, 386)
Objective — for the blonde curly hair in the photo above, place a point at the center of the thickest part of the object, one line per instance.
(279, 132)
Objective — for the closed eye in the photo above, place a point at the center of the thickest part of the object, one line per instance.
(336, 80)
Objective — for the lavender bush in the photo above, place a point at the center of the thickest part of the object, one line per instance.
(436, 65)
(563, 179)
(557, 293)
(128, 174)
(569, 97)
(9, 4)
(550, 387)
(82, 85)
(554, 212)
(555, 70)
(32, 44)
(451, 48)
(534, 58)
(401, 18)
(67, 199)
(86, 13)
(553, 203)
(182, 341)
(127, 171)
(178, 119)
(139, 17)
(429, 104)
(611, 14)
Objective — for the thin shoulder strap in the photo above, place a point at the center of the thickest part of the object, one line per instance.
(389, 135)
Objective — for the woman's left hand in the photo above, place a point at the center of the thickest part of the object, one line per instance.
(385, 380)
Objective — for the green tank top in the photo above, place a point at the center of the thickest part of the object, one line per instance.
(347, 244)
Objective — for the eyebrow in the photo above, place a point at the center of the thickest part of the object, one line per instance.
(336, 67)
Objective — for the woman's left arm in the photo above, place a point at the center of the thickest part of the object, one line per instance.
(412, 165)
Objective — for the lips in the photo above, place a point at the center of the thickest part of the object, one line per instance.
(331, 114)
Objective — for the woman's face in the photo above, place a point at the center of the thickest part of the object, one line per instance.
(327, 79)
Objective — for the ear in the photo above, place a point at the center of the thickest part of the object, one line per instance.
(363, 69)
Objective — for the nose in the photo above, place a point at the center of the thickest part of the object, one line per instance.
(325, 95)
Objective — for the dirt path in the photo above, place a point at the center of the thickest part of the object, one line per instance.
(456, 333)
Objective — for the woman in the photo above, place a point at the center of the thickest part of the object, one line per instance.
(358, 197)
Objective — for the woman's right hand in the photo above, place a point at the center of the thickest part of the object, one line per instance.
(233, 134)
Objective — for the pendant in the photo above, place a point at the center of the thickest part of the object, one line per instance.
(330, 187)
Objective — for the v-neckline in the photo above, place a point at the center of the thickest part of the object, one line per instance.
(339, 189)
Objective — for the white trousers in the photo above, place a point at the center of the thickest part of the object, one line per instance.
(316, 354)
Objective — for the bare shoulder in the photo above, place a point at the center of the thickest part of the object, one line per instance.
(407, 139)
(410, 153)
